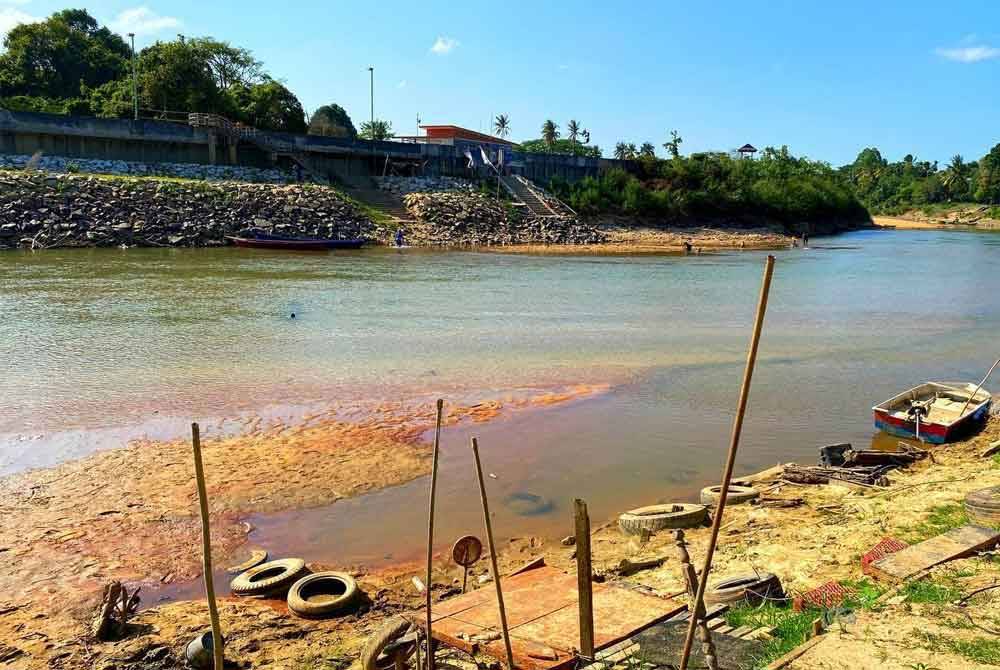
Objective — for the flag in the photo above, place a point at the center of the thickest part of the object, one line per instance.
(486, 159)
(472, 162)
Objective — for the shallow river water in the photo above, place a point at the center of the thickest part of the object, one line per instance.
(103, 345)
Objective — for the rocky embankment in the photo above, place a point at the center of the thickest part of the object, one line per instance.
(40, 210)
(452, 218)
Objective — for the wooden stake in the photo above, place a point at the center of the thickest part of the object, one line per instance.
(430, 532)
(727, 474)
(493, 556)
(206, 548)
(584, 579)
(966, 405)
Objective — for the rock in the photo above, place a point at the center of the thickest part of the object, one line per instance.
(568, 541)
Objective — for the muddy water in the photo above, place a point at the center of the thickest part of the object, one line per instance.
(101, 345)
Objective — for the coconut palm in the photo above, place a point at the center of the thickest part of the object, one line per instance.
(573, 130)
(550, 132)
(647, 150)
(502, 126)
(953, 178)
(673, 145)
(376, 130)
(633, 152)
(621, 151)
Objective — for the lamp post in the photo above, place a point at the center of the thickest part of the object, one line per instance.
(371, 128)
(135, 85)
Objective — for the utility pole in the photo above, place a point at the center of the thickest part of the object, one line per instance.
(371, 88)
(135, 84)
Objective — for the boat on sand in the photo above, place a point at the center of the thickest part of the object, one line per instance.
(935, 412)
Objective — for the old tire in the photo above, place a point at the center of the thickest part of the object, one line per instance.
(983, 506)
(753, 589)
(268, 579)
(257, 556)
(660, 517)
(737, 494)
(383, 648)
(322, 593)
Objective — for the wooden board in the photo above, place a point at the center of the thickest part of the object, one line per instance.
(956, 543)
(543, 619)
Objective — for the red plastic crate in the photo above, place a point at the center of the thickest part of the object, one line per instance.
(830, 594)
(888, 545)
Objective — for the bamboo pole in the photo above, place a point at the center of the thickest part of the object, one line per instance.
(206, 548)
(964, 407)
(430, 532)
(584, 580)
(727, 474)
(493, 556)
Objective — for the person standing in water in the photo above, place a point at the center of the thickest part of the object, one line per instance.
(399, 237)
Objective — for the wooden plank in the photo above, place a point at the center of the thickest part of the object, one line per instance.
(584, 579)
(785, 660)
(716, 623)
(741, 631)
(956, 543)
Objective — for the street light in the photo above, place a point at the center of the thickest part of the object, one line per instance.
(135, 85)
(371, 128)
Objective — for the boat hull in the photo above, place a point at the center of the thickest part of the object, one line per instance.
(290, 244)
(932, 432)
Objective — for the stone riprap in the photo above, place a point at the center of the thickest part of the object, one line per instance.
(405, 185)
(453, 218)
(39, 210)
(61, 164)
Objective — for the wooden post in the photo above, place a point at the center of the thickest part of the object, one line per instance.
(430, 533)
(691, 579)
(727, 473)
(584, 579)
(206, 548)
(493, 556)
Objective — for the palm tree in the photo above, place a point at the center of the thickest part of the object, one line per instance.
(550, 132)
(673, 145)
(621, 151)
(376, 130)
(632, 150)
(954, 175)
(647, 150)
(573, 130)
(502, 125)
(586, 136)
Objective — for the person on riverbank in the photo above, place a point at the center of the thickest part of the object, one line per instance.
(399, 238)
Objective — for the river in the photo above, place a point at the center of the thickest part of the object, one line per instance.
(103, 345)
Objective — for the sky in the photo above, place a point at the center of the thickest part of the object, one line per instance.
(825, 78)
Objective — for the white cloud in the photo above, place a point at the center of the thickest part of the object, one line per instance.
(563, 67)
(143, 21)
(10, 17)
(401, 84)
(969, 54)
(444, 45)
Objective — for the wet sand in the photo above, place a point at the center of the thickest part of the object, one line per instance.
(646, 240)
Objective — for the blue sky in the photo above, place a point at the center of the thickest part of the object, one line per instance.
(827, 79)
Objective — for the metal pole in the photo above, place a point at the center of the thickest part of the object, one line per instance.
(135, 83)
(493, 556)
(206, 540)
(371, 88)
(727, 475)
(430, 533)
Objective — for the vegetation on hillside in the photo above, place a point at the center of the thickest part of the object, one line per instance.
(69, 64)
(891, 188)
(777, 186)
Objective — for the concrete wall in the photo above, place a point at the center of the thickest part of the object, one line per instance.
(147, 141)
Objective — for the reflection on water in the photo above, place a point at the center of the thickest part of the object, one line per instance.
(103, 338)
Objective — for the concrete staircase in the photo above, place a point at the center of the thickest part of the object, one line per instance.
(534, 199)
(365, 190)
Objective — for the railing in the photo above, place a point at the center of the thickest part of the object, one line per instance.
(239, 131)
(544, 197)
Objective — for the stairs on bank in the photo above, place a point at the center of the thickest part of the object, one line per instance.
(364, 189)
(535, 199)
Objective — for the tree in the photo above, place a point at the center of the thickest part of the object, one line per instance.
(988, 189)
(270, 106)
(501, 125)
(376, 130)
(586, 136)
(175, 76)
(560, 146)
(230, 66)
(573, 130)
(332, 121)
(55, 57)
(647, 150)
(550, 132)
(954, 178)
(621, 151)
(673, 145)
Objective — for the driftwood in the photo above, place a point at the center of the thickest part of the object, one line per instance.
(819, 474)
(117, 605)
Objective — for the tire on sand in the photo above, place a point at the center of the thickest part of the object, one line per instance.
(753, 589)
(983, 506)
(386, 639)
(322, 593)
(738, 494)
(268, 579)
(660, 517)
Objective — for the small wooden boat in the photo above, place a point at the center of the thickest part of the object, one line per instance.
(935, 412)
(294, 243)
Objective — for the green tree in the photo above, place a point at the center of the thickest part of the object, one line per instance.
(174, 76)
(55, 57)
(573, 130)
(501, 126)
(954, 178)
(560, 146)
(673, 145)
(550, 132)
(647, 150)
(230, 66)
(988, 187)
(332, 121)
(621, 151)
(270, 106)
(376, 130)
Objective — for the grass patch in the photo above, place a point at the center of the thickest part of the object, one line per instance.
(790, 628)
(939, 520)
(933, 592)
(977, 649)
(866, 592)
